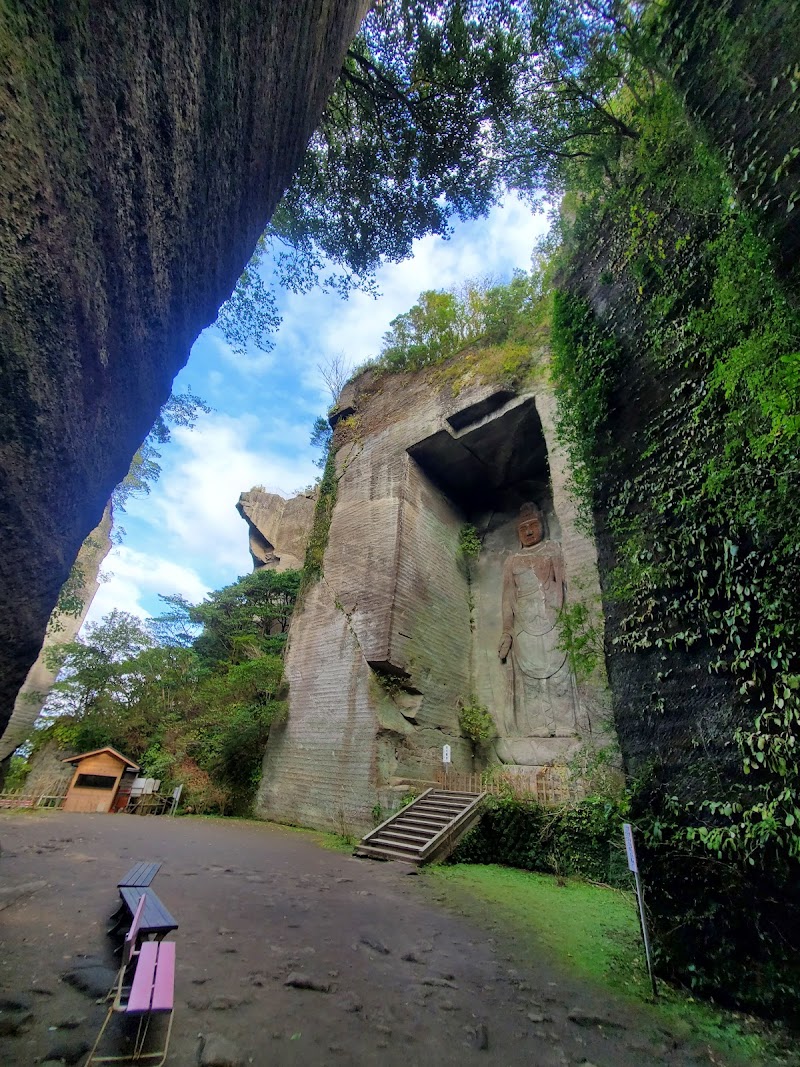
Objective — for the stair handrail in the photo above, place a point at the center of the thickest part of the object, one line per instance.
(395, 815)
(453, 824)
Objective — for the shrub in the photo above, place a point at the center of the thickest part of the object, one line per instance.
(476, 723)
(582, 839)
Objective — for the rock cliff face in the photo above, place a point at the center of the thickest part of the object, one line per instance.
(144, 148)
(279, 529)
(736, 65)
(400, 631)
(40, 678)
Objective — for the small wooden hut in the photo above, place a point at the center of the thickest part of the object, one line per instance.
(96, 779)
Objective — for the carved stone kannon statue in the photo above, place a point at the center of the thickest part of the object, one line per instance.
(542, 687)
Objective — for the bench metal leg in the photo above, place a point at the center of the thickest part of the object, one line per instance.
(117, 920)
(138, 1055)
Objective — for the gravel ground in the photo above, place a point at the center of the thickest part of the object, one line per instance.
(398, 978)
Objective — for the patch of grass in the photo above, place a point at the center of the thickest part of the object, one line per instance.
(594, 932)
(330, 841)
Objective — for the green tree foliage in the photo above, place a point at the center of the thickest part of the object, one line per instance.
(321, 437)
(70, 598)
(95, 667)
(430, 332)
(190, 696)
(443, 105)
(442, 324)
(16, 775)
(248, 618)
(175, 626)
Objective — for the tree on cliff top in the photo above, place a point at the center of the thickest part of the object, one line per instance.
(443, 323)
(441, 107)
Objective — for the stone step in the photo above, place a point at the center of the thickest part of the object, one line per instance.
(428, 827)
(423, 824)
(427, 813)
(417, 833)
(395, 838)
(440, 809)
(373, 852)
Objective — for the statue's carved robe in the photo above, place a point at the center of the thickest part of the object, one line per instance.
(533, 595)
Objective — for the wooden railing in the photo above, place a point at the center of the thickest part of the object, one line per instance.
(548, 785)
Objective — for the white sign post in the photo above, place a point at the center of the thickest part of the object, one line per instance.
(445, 762)
(633, 866)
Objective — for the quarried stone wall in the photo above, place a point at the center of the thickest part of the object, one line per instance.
(401, 631)
(320, 766)
(31, 697)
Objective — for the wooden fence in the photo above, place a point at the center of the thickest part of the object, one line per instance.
(548, 785)
(51, 796)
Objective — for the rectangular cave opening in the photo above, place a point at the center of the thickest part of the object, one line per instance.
(489, 471)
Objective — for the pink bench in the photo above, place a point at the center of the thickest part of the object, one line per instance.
(145, 987)
(154, 981)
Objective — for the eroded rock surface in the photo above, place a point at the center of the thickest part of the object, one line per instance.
(144, 149)
(401, 631)
(278, 528)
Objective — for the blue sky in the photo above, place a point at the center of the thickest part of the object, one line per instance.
(186, 536)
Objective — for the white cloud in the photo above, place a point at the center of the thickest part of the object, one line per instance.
(194, 503)
(129, 575)
(191, 513)
(488, 247)
(250, 364)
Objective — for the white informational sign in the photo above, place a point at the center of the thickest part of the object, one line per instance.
(627, 830)
(446, 754)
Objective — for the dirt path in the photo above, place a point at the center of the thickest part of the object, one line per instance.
(409, 982)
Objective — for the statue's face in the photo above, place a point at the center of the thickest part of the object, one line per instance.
(530, 532)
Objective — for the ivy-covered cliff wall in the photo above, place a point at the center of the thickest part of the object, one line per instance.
(144, 148)
(676, 336)
(735, 65)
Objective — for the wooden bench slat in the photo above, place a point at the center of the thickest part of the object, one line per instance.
(155, 917)
(141, 874)
(141, 993)
(164, 984)
(153, 987)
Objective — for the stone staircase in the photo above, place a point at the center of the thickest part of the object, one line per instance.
(427, 829)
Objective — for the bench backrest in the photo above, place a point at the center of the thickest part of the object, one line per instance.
(133, 933)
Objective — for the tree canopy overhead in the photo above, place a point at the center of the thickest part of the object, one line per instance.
(442, 106)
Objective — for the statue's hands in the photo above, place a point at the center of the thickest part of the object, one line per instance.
(505, 647)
